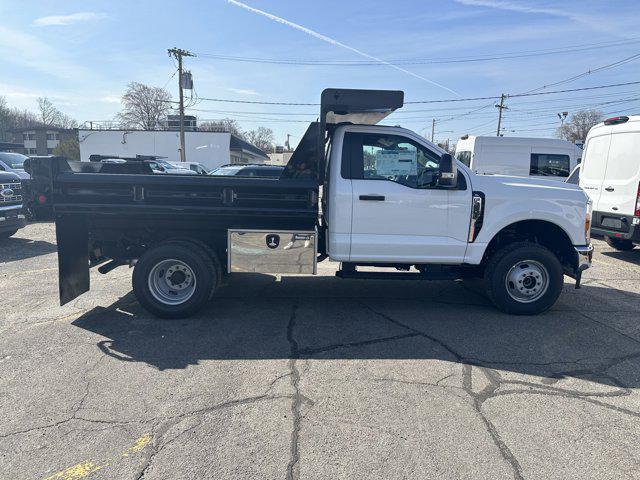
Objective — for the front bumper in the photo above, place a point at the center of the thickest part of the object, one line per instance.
(11, 218)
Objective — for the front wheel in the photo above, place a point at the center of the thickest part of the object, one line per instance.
(619, 243)
(174, 279)
(524, 278)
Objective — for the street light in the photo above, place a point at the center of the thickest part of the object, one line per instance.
(562, 116)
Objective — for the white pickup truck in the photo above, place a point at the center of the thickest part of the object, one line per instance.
(390, 199)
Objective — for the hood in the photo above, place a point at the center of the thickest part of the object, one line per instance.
(8, 177)
(533, 188)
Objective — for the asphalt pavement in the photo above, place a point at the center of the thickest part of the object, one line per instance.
(287, 377)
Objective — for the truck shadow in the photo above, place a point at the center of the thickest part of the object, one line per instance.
(13, 249)
(357, 320)
(631, 256)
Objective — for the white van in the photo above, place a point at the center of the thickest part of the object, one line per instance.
(610, 175)
(548, 158)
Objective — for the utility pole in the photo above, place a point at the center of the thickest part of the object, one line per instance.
(178, 53)
(501, 107)
(433, 129)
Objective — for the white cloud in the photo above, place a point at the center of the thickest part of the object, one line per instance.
(111, 98)
(243, 91)
(595, 22)
(31, 52)
(68, 19)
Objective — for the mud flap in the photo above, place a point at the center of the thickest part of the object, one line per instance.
(72, 235)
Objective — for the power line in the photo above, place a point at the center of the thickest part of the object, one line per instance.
(449, 100)
(589, 72)
(426, 61)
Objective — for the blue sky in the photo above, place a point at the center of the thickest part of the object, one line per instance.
(83, 54)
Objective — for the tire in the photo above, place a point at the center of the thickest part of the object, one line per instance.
(619, 244)
(524, 278)
(8, 233)
(191, 284)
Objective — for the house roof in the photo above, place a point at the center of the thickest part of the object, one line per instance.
(239, 144)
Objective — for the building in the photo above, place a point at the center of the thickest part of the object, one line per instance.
(211, 149)
(41, 140)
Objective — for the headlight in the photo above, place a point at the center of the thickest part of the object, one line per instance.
(587, 221)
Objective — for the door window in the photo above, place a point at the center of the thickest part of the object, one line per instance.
(464, 157)
(551, 165)
(623, 154)
(595, 158)
(398, 159)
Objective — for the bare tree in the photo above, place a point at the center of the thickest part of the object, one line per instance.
(224, 125)
(12, 118)
(49, 114)
(261, 137)
(578, 125)
(144, 106)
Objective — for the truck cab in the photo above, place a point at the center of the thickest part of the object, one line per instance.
(389, 199)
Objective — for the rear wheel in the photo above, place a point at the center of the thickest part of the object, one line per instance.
(8, 233)
(174, 279)
(619, 243)
(524, 278)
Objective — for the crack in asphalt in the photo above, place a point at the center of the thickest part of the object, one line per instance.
(496, 382)
(293, 469)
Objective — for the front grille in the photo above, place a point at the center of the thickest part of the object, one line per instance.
(10, 193)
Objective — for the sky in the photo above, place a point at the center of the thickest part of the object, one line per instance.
(82, 55)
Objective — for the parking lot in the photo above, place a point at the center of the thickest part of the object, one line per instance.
(316, 377)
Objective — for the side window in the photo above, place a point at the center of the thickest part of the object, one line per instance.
(398, 159)
(550, 165)
(574, 178)
(464, 157)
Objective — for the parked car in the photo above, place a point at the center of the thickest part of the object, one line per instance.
(250, 170)
(574, 176)
(548, 158)
(390, 200)
(11, 217)
(193, 166)
(13, 162)
(161, 166)
(610, 175)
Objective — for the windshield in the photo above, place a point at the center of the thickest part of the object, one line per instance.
(226, 171)
(13, 160)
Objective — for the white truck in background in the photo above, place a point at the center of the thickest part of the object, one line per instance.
(548, 158)
(610, 175)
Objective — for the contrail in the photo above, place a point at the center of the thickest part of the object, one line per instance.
(324, 38)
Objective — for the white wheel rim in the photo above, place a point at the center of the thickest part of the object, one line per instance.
(527, 281)
(172, 282)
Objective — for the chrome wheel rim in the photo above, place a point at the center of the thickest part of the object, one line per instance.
(172, 282)
(527, 281)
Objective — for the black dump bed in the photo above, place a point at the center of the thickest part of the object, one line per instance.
(132, 190)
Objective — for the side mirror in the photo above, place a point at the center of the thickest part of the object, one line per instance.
(448, 171)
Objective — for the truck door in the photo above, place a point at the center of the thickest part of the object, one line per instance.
(620, 186)
(594, 163)
(400, 214)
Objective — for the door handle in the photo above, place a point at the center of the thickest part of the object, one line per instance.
(609, 189)
(374, 198)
